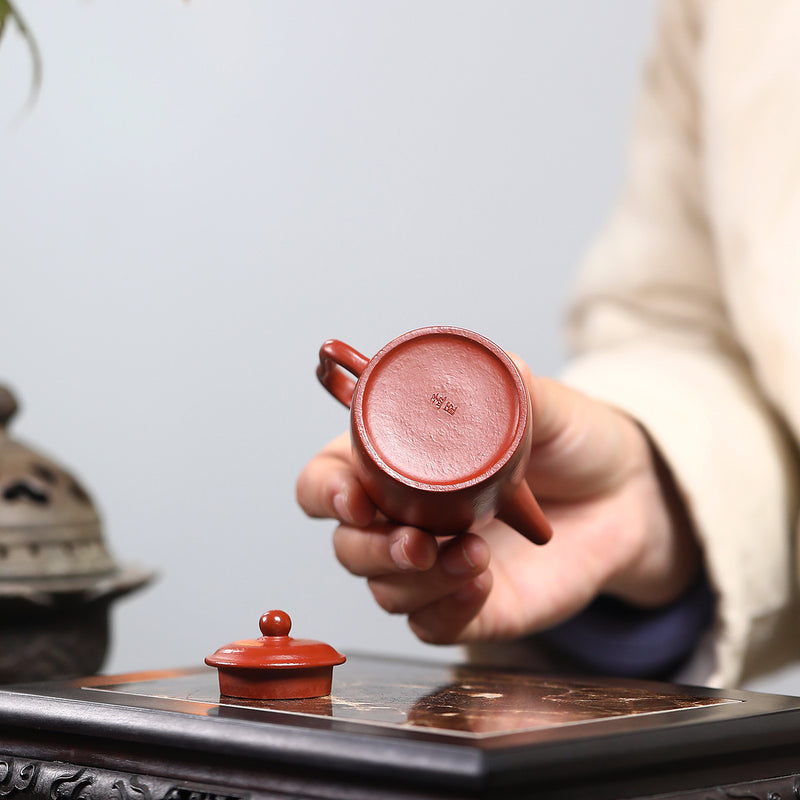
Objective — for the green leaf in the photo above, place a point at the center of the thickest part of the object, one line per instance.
(5, 12)
(9, 12)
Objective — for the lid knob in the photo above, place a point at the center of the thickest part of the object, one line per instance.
(275, 623)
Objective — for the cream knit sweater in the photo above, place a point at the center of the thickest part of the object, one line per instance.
(686, 313)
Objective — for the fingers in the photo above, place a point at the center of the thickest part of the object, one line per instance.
(451, 619)
(382, 548)
(441, 585)
(404, 590)
(328, 487)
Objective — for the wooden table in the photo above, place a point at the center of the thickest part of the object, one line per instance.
(396, 729)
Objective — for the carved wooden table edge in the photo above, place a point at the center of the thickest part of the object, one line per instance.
(55, 780)
(22, 777)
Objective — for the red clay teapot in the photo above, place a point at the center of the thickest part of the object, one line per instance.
(441, 429)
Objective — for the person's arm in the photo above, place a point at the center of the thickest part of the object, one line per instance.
(652, 335)
(656, 353)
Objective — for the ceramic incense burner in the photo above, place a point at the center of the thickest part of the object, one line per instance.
(57, 575)
(440, 421)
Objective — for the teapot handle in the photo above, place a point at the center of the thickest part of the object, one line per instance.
(334, 358)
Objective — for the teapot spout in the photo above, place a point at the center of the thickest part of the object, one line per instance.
(521, 511)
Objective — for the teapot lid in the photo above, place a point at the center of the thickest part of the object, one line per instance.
(275, 649)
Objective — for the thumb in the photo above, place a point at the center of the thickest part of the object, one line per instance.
(580, 445)
(552, 403)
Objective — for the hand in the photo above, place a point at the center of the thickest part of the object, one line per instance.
(619, 528)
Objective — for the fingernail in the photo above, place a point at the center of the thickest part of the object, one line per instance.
(399, 553)
(455, 561)
(341, 509)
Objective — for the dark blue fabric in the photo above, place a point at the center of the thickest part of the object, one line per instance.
(613, 638)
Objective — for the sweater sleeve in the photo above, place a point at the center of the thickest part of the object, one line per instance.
(650, 333)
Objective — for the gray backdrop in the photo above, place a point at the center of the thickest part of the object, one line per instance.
(205, 192)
